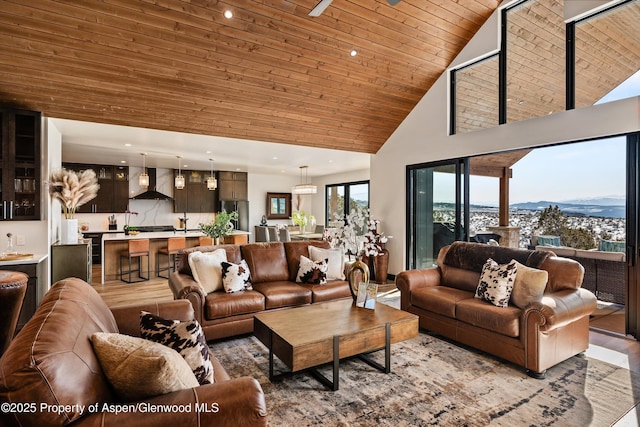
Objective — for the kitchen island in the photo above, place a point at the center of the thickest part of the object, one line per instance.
(114, 243)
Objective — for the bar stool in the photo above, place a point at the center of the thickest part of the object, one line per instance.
(174, 244)
(137, 249)
(205, 241)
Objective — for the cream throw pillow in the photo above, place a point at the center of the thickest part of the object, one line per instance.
(137, 368)
(529, 285)
(335, 262)
(206, 268)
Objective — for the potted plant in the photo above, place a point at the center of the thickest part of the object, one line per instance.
(72, 190)
(302, 219)
(220, 226)
(129, 228)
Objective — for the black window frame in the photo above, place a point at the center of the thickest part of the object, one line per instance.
(347, 194)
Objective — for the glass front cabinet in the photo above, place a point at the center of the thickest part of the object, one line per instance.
(20, 163)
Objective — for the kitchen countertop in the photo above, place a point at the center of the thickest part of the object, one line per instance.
(161, 235)
(35, 259)
(111, 240)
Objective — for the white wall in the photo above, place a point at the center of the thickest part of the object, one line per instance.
(259, 186)
(422, 137)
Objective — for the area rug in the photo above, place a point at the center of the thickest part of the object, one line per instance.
(435, 382)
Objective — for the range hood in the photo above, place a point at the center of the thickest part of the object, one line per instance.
(151, 193)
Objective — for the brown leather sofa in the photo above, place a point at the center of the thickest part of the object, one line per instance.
(536, 337)
(273, 267)
(51, 362)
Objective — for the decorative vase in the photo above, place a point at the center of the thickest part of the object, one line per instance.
(216, 241)
(381, 266)
(69, 231)
(369, 261)
(358, 273)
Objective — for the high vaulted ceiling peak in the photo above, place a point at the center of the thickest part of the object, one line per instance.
(271, 73)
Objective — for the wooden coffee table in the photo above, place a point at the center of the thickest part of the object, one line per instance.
(307, 337)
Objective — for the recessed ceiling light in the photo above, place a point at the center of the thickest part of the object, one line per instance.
(228, 14)
(353, 52)
(274, 158)
(127, 145)
(208, 152)
(123, 161)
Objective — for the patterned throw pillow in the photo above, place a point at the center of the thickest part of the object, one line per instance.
(236, 277)
(187, 338)
(313, 272)
(496, 282)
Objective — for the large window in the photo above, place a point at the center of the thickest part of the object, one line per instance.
(546, 65)
(607, 54)
(475, 96)
(341, 198)
(534, 45)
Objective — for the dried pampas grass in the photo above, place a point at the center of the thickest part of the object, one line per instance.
(72, 189)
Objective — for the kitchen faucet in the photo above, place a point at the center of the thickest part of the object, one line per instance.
(184, 221)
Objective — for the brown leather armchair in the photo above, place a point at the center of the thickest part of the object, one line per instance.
(52, 362)
(13, 286)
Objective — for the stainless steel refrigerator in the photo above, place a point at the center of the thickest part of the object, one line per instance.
(240, 206)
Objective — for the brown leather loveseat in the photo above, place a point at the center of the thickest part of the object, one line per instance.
(537, 337)
(50, 375)
(273, 268)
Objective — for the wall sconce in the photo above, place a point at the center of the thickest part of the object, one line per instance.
(144, 177)
(212, 182)
(179, 181)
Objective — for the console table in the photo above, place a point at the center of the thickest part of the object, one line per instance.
(35, 268)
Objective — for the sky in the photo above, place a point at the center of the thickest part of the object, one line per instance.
(572, 171)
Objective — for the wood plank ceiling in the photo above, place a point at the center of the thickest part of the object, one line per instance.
(271, 73)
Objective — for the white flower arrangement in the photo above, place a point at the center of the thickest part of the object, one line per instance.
(357, 234)
(72, 189)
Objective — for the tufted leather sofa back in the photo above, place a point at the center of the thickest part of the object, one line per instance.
(461, 264)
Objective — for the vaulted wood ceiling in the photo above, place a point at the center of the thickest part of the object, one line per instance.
(271, 73)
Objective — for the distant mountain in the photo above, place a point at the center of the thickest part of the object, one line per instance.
(600, 201)
(586, 209)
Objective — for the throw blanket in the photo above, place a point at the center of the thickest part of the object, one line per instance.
(472, 256)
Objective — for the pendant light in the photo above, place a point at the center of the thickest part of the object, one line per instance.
(144, 177)
(212, 182)
(179, 181)
(304, 187)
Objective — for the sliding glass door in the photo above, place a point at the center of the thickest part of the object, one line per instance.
(437, 215)
(633, 236)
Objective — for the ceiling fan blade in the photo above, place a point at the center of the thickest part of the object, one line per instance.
(393, 2)
(320, 7)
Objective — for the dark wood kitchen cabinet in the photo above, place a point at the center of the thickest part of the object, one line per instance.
(113, 195)
(233, 185)
(195, 196)
(20, 176)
